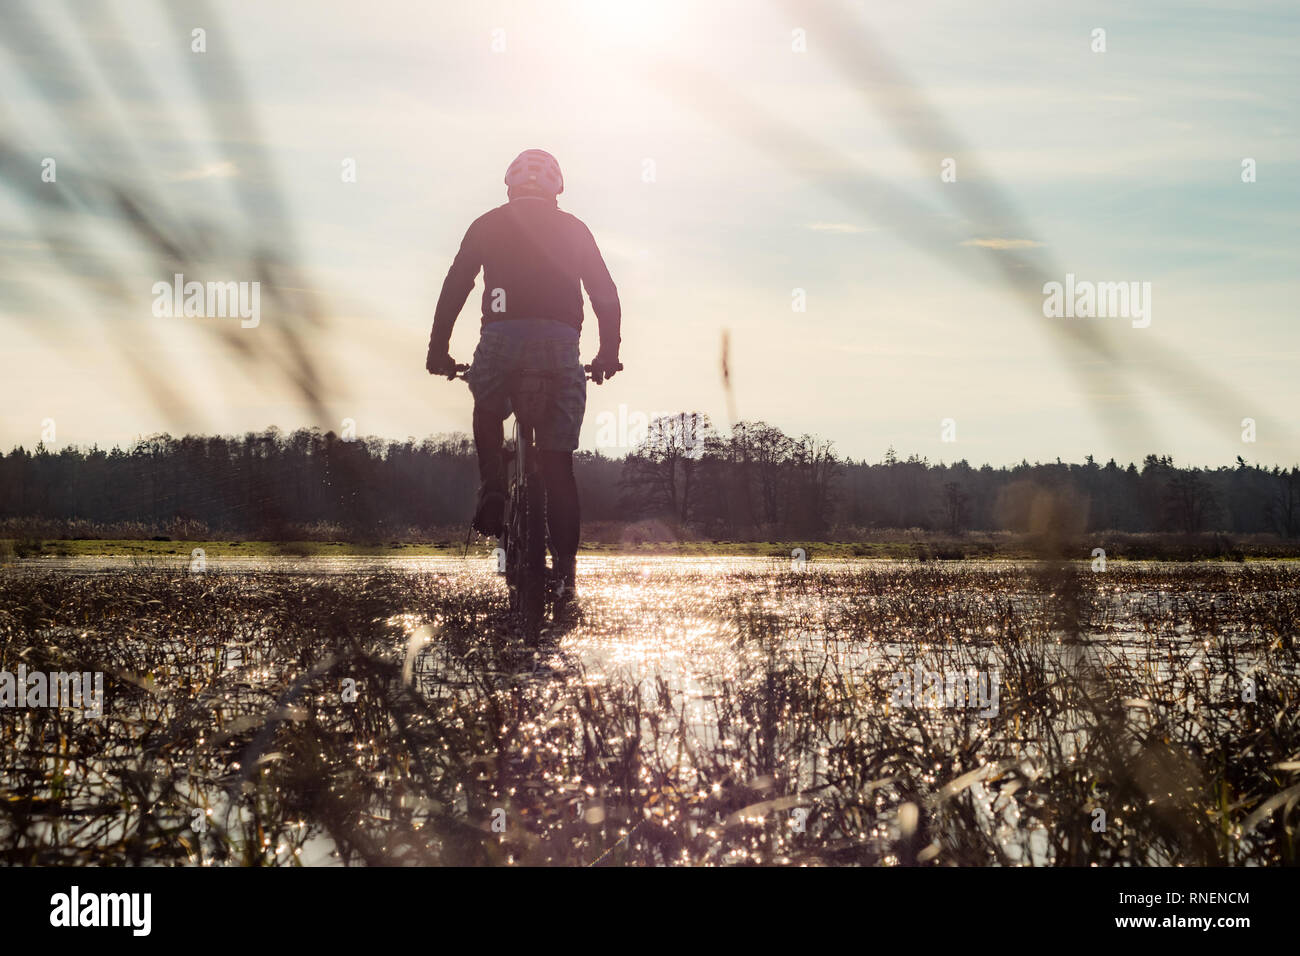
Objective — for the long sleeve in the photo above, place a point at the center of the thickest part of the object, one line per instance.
(604, 297)
(455, 290)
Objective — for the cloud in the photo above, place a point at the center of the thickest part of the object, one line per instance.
(222, 170)
(1004, 243)
(25, 245)
(842, 227)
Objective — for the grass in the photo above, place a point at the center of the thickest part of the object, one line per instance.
(123, 547)
(694, 714)
(96, 547)
(611, 540)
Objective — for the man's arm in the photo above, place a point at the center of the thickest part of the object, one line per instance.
(455, 290)
(604, 299)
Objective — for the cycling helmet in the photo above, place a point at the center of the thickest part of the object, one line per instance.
(536, 169)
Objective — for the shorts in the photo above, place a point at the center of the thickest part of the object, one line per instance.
(505, 348)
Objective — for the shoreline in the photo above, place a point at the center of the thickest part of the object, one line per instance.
(14, 551)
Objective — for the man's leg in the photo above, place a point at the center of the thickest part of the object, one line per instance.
(558, 438)
(489, 435)
(562, 516)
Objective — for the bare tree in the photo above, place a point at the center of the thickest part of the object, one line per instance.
(954, 506)
(1284, 509)
(661, 476)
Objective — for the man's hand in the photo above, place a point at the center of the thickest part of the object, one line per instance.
(604, 366)
(441, 365)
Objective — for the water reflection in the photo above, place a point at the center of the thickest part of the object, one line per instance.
(692, 711)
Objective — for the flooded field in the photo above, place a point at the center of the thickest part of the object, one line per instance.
(710, 711)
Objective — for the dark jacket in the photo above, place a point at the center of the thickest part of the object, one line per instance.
(537, 255)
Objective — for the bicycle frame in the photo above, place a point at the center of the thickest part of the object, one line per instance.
(525, 537)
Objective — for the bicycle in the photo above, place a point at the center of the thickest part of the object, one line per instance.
(524, 539)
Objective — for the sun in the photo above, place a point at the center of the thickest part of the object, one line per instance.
(623, 23)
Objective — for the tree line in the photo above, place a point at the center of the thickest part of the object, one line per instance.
(755, 483)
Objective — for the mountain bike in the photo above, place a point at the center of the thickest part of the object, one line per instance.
(524, 539)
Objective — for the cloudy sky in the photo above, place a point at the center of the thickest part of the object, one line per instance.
(723, 160)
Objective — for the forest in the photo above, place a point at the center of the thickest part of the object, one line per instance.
(754, 483)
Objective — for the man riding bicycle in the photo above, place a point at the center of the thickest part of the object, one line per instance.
(533, 257)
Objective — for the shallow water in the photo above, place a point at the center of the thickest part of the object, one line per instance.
(754, 690)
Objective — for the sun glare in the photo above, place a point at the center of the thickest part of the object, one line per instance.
(636, 23)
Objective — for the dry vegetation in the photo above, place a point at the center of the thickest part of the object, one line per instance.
(1165, 696)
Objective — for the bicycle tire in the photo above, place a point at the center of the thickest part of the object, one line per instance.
(532, 583)
(513, 538)
(525, 542)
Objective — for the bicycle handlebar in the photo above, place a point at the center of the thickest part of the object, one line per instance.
(458, 374)
(462, 369)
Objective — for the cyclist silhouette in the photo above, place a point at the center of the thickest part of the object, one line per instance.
(533, 257)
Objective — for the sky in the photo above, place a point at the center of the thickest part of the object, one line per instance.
(725, 155)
